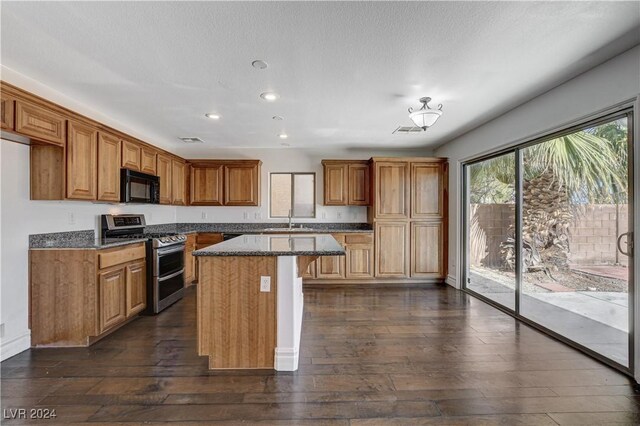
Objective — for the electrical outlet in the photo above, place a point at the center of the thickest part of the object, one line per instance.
(2, 331)
(204, 215)
(71, 218)
(257, 215)
(245, 215)
(324, 215)
(339, 215)
(265, 284)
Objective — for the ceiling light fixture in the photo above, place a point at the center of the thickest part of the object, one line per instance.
(425, 117)
(212, 116)
(283, 135)
(269, 96)
(277, 118)
(259, 64)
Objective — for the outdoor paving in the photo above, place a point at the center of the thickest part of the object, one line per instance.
(607, 271)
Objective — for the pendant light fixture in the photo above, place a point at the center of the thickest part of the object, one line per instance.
(425, 117)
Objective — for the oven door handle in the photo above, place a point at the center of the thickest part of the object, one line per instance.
(168, 277)
(170, 250)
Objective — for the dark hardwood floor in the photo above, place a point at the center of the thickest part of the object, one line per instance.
(369, 357)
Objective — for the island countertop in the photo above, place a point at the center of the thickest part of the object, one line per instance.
(275, 245)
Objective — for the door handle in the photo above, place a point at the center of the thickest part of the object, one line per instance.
(629, 243)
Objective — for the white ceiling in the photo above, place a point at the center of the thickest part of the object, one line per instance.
(346, 71)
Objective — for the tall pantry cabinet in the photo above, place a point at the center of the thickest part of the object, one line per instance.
(409, 213)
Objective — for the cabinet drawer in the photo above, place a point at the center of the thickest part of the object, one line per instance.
(207, 239)
(40, 123)
(359, 239)
(123, 255)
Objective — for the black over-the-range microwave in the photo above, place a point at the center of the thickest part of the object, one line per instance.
(136, 187)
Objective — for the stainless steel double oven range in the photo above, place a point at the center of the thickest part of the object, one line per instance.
(165, 257)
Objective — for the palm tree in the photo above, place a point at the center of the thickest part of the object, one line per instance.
(558, 174)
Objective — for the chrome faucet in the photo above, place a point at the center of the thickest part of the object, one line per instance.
(290, 219)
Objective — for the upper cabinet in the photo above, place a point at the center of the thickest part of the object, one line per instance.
(391, 189)
(82, 156)
(346, 182)
(206, 184)
(108, 167)
(164, 173)
(178, 187)
(39, 123)
(335, 183)
(224, 182)
(7, 110)
(131, 155)
(242, 183)
(148, 160)
(427, 190)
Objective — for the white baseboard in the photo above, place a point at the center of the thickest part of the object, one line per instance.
(14, 346)
(452, 281)
(286, 359)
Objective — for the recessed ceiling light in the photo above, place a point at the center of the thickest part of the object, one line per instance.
(283, 136)
(213, 116)
(269, 96)
(259, 64)
(277, 117)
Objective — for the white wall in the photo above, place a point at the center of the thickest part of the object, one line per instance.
(20, 217)
(602, 87)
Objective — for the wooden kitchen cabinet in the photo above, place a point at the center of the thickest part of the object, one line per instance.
(310, 271)
(39, 123)
(391, 190)
(178, 187)
(427, 256)
(82, 157)
(148, 160)
(7, 111)
(108, 167)
(80, 295)
(359, 257)
(136, 287)
(332, 267)
(164, 173)
(206, 239)
(242, 183)
(359, 184)
(392, 249)
(111, 291)
(131, 155)
(427, 190)
(346, 182)
(206, 185)
(189, 260)
(336, 189)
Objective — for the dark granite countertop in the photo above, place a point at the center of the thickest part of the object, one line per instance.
(86, 239)
(90, 243)
(275, 245)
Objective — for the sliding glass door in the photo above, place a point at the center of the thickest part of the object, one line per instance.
(546, 235)
(491, 225)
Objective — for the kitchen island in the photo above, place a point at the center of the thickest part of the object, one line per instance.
(250, 299)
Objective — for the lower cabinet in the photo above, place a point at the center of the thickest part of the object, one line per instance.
(136, 288)
(79, 295)
(391, 249)
(356, 264)
(427, 256)
(111, 290)
(189, 260)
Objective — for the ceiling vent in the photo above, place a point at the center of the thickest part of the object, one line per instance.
(191, 140)
(407, 129)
